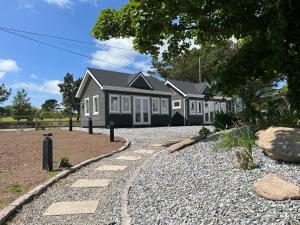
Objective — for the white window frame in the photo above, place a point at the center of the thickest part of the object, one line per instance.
(122, 105)
(192, 112)
(95, 97)
(199, 112)
(158, 106)
(176, 107)
(86, 104)
(110, 98)
(161, 108)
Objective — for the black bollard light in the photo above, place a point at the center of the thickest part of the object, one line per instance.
(47, 152)
(112, 131)
(70, 124)
(90, 126)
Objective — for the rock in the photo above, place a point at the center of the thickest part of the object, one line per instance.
(180, 145)
(274, 187)
(280, 143)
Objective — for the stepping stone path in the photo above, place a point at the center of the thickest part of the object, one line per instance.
(129, 158)
(111, 168)
(91, 183)
(144, 151)
(65, 208)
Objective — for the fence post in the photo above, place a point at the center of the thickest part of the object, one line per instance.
(112, 131)
(90, 126)
(47, 152)
(36, 124)
(70, 124)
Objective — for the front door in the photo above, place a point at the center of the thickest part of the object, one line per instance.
(141, 110)
(209, 112)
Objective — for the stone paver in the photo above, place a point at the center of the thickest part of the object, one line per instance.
(91, 183)
(129, 158)
(144, 151)
(111, 168)
(67, 208)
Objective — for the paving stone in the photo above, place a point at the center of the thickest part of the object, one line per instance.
(156, 145)
(91, 183)
(144, 151)
(130, 158)
(67, 208)
(111, 168)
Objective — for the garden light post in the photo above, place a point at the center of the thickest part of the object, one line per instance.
(112, 131)
(70, 124)
(90, 126)
(47, 152)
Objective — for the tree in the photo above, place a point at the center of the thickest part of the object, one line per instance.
(186, 66)
(4, 93)
(21, 106)
(50, 105)
(69, 89)
(270, 30)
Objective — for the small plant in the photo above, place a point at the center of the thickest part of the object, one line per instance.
(243, 143)
(15, 188)
(64, 162)
(204, 131)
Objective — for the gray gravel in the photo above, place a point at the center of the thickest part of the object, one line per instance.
(200, 185)
(108, 210)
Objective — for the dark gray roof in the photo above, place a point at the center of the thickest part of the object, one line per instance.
(118, 79)
(189, 87)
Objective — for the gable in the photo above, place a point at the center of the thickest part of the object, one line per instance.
(140, 81)
(205, 90)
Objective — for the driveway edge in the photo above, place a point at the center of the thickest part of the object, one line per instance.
(35, 192)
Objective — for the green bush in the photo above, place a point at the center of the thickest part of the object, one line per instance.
(64, 162)
(242, 142)
(223, 121)
(15, 188)
(204, 131)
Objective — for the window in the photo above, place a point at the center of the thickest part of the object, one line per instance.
(95, 105)
(217, 107)
(155, 105)
(126, 108)
(86, 106)
(223, 107)
(192, 108)
(176, 104)
(164, 106)
(199, 107)
(114, 104)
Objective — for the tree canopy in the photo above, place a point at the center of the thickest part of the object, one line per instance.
(269, 29)
(22, 108)
(50, 105)
(4, 93)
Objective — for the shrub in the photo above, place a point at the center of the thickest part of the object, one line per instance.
(223, 121)
(242, 142)
(64, 162)
(204, 131)
(15, 188)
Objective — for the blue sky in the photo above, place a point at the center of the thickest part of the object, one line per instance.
(38, 68)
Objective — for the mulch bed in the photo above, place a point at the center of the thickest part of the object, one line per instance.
(21, 156)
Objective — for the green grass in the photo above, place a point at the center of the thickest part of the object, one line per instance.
(12, 120)
(16, 188)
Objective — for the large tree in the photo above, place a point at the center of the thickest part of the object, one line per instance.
(68, 89)
(4, 93)
(50, 105)
(22, 108)
(270, 30)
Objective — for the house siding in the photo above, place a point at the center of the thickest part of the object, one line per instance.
(140, 83)
(194, 119)
(91, 89)
(177, 114)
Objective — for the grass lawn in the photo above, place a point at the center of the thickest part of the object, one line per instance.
(11, 119)
(21, 157)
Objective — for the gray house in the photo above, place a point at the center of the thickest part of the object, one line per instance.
(137, 100)
(189, 106)
(125, 99)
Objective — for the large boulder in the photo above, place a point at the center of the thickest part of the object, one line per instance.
(274, 187)
(280, 143)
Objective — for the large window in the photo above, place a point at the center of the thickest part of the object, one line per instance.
(176, 104)
(155, 106)
(114, 104)
(86, 106)
(199, 107)
(95, 105)
(223, 107)
(126, 108)
(192, 107)
(164, 106)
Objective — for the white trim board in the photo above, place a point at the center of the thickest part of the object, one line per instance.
(145, 79)
(83, 82)
(176, 88)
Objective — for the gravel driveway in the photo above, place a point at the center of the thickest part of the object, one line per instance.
(200, 185)
(109, 198)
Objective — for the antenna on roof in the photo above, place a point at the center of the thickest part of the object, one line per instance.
(200, 70)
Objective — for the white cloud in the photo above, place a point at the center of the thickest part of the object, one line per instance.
(120, 58)
(8, 65)
(33, 76)
(49, 86)
(26, 5)
(60, 3)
